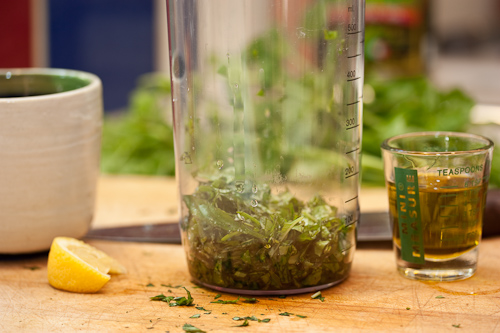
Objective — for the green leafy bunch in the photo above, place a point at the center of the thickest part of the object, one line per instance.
(140, 141)
(407, 105)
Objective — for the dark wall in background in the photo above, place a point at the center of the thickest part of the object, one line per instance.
(112, 39)
(15, 33)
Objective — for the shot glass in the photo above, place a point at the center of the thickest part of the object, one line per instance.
(437, 184)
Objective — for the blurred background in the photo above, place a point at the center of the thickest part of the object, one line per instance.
(117, 40)
(447, 51)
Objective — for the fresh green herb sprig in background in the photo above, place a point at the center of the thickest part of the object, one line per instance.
(140, 140)
(399, 106)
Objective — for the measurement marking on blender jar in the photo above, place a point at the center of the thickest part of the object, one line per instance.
(352, 175)
(354, 32)
(351, 199)
(352, 151)
(353, 103)
(352, 127)
(354, 79)
(354, 56)
(350, 220)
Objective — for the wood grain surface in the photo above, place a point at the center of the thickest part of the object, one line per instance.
(133, 200)
(373, 298)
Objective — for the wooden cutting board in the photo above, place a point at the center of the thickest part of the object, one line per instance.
(373, 298)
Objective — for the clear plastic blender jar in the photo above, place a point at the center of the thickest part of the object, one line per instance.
(267, 114)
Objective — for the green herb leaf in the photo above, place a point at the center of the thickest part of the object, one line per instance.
(281, 243)
(250, 300)
(287, 314)
(171, 286)
(150, 285)
(162, 298)
(219, 301)
(439, 296)
(301, 316)
(217, 296)
(183, 300)
(245, 323)
(202, 308)
(190, 328)
(197, 315)
(252, 318)
(222, 71)
(456, 325)
(408, 308)
(178, 301)
(330, 34)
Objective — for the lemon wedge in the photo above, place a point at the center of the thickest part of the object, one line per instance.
(79, 267)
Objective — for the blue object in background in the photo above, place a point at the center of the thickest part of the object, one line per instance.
(113, 39)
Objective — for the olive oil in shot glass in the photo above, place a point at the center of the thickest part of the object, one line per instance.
(437, 184)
